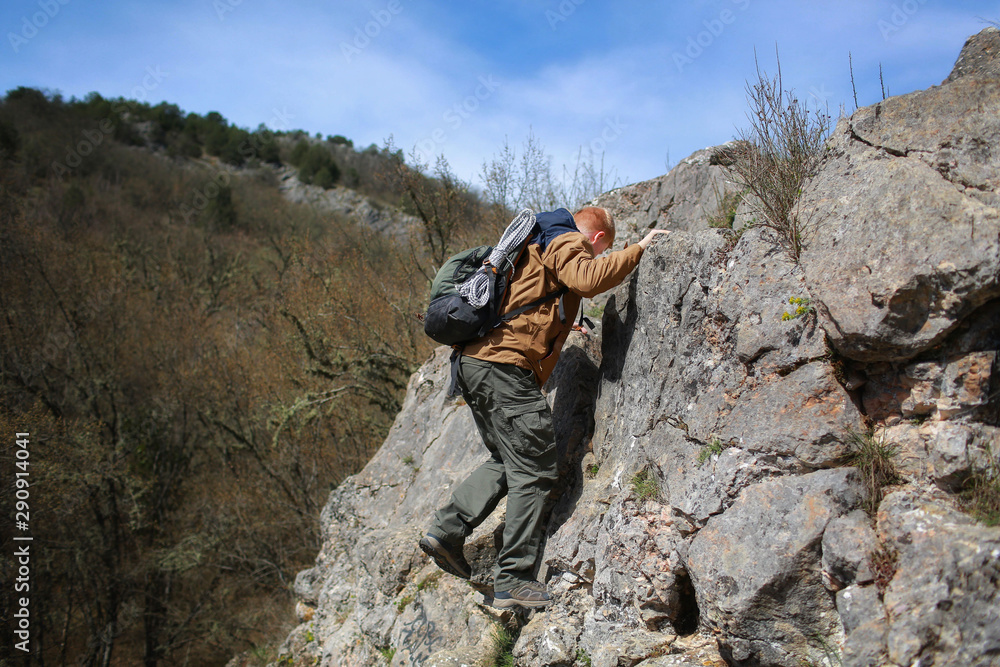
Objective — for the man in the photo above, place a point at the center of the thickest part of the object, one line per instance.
(501, 376)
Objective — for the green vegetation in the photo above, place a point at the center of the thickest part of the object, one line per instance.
(776, 154)
(644, 484)
(167, 127)
(592, 470)
(583, 658)
(595, 311)
(726, 204)
(803, 306)
(202, 360)
(873, 456)
(980, 495)
(716, 446)
(388, 652)
(315, 163)
(430, 582)
(502, 640)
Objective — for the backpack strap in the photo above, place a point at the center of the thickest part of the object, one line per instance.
(537, 302)
(583, 319)
(456, 359)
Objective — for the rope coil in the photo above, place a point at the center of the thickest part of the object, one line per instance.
(476, 289)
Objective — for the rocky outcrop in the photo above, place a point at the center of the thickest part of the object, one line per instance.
(898, 173)
(345, 202)
(707, 514)
(682, 199)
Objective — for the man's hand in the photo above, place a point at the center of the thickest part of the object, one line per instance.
(649, 237)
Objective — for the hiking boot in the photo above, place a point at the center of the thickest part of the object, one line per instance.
(528, 594)
(448, 558)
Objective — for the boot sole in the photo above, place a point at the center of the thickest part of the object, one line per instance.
(507, 603)
(439, 553)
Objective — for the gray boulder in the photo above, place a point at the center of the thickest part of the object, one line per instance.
(679, 200)
(896, 174)
(943, 603)
(848, 542)
(756, 568)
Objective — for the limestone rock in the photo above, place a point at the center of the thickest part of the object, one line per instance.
(346, 202)
(680, 200)
(756, 569)
(805, 414)
(760, 280)
(978, 57)
(859, 605)
(454, 658)
(898, 174)
(848, 542)
(943, 604)
(945, 453)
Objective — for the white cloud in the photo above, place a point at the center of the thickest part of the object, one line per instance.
(605, 78)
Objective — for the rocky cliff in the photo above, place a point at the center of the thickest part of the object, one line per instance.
(707, 514)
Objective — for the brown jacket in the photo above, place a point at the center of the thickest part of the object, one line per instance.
(534, 339)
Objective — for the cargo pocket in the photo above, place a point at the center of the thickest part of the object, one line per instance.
(531, 425)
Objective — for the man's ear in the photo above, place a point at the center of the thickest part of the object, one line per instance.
(596, 236)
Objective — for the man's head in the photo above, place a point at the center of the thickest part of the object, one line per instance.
(599, 226)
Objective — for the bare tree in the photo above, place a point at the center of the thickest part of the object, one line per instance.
(512, 181)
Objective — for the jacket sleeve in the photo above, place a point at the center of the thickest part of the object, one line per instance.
(571, 259)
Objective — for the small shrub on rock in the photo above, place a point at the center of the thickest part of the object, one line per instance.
(776, 154)
(644, 485)
(981, 494)
(710, 450)
(873, 456)
(884, 560)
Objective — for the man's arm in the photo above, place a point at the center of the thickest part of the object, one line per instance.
(576, 267)
(650, 236)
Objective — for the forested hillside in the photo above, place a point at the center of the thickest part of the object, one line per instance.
(197, 362)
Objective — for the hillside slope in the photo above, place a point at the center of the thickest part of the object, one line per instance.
(175, 340)
(707, 515)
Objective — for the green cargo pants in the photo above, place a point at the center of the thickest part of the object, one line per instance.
(515, 423)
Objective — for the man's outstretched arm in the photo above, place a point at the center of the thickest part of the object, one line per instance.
(578, 269)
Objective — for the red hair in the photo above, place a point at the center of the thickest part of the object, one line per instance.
(596, 219)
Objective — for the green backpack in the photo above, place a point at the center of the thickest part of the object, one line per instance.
(450, 318)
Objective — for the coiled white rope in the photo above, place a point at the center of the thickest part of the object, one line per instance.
(476, 288)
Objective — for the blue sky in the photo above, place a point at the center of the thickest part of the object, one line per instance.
(644, 83)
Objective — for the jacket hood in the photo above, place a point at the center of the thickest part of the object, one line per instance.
(549, 225)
